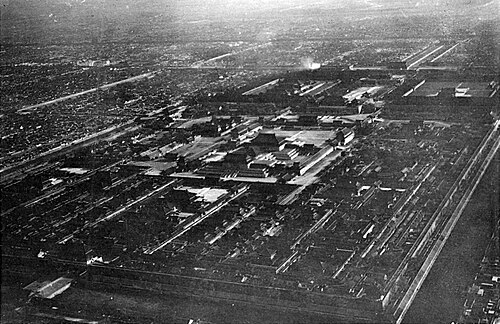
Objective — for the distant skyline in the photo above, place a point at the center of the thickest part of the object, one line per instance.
(52, 21)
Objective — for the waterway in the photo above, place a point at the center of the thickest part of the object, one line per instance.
(440, 298)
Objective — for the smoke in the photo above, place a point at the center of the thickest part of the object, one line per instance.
(308, 64)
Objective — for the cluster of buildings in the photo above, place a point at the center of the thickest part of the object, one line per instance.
(483, 296)
(316, 209)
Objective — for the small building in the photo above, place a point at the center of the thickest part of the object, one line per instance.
(344, 136)
(239, 157)
(268, 142)
(308, 120)
(49, 289)
(262, 164)
(286, 154)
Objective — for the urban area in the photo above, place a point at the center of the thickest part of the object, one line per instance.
(250, 162)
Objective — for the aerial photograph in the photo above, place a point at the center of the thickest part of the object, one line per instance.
(250, 161)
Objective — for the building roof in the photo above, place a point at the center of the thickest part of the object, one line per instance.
(49, 289)
(265, 139)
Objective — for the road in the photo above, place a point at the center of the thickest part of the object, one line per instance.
(417, 282)
(194, 222)
(445, 52)
(425, 54)
(118, 212)
(213, 59)
(309, 177)
(24, 167)
(78, 94)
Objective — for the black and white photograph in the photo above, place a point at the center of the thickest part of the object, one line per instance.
(250, 161)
